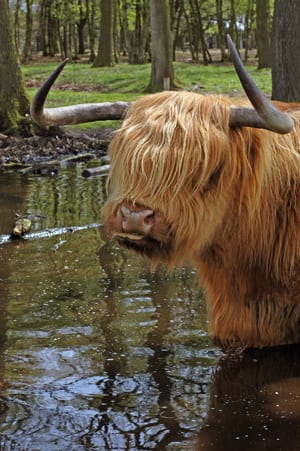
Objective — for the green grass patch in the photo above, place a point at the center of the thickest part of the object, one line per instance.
(81, 83)
(219, 79)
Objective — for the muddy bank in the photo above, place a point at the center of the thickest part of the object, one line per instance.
(18, 152)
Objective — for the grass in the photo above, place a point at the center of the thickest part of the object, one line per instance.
(219, 79)
(80, 83)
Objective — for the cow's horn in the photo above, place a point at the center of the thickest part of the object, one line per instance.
(265, 114)
(73, 114)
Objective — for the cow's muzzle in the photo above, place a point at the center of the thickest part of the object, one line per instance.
(136, 224)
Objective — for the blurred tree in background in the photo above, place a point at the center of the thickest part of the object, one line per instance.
(14, 103)
(144, 31)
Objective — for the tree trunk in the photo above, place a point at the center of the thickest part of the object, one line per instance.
(135, 38)
(116, 38)
(195, 32)
(248, 26)
(105, 48)
(190, 35)
(52, 27)
(17, 25)
(263, 33)
(221, 29)
(28, 32)
(232, 26)
(123, 28)
(161, 39)
(42, 28)
(205, 53)
(14, 103)
(90, 12)
(176, 19)
(286, 51)
(80, 28)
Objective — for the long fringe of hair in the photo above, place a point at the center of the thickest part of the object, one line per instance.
(176, 153)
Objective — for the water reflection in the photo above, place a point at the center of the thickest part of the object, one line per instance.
(255, 402)
(99, 353)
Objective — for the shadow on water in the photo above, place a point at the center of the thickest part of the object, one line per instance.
(99, 353)
(254, 402)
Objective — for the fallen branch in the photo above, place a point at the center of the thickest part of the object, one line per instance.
(99, 170)
(48, 233)
(49, 167)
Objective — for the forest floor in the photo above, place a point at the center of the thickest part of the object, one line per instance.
(42, 153)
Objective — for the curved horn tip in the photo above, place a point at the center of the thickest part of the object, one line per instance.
(37, 104)
(229, 40)
(64, 62)
(271, 118)
(59, 68)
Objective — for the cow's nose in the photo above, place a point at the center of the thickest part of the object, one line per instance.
(137, 221)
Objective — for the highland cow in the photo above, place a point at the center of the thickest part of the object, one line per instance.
(212, 181)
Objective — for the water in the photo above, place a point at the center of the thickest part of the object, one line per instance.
(99, 353)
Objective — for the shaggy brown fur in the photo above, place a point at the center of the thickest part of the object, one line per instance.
(228, 200)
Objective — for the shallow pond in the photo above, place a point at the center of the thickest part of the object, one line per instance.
(99, 353)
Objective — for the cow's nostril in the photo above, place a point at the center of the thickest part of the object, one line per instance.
(137, 221)
(137, 214)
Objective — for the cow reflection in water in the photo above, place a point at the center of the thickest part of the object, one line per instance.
(254, 402)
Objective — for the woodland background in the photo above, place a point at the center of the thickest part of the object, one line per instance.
(78, 28)
(104, 33)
